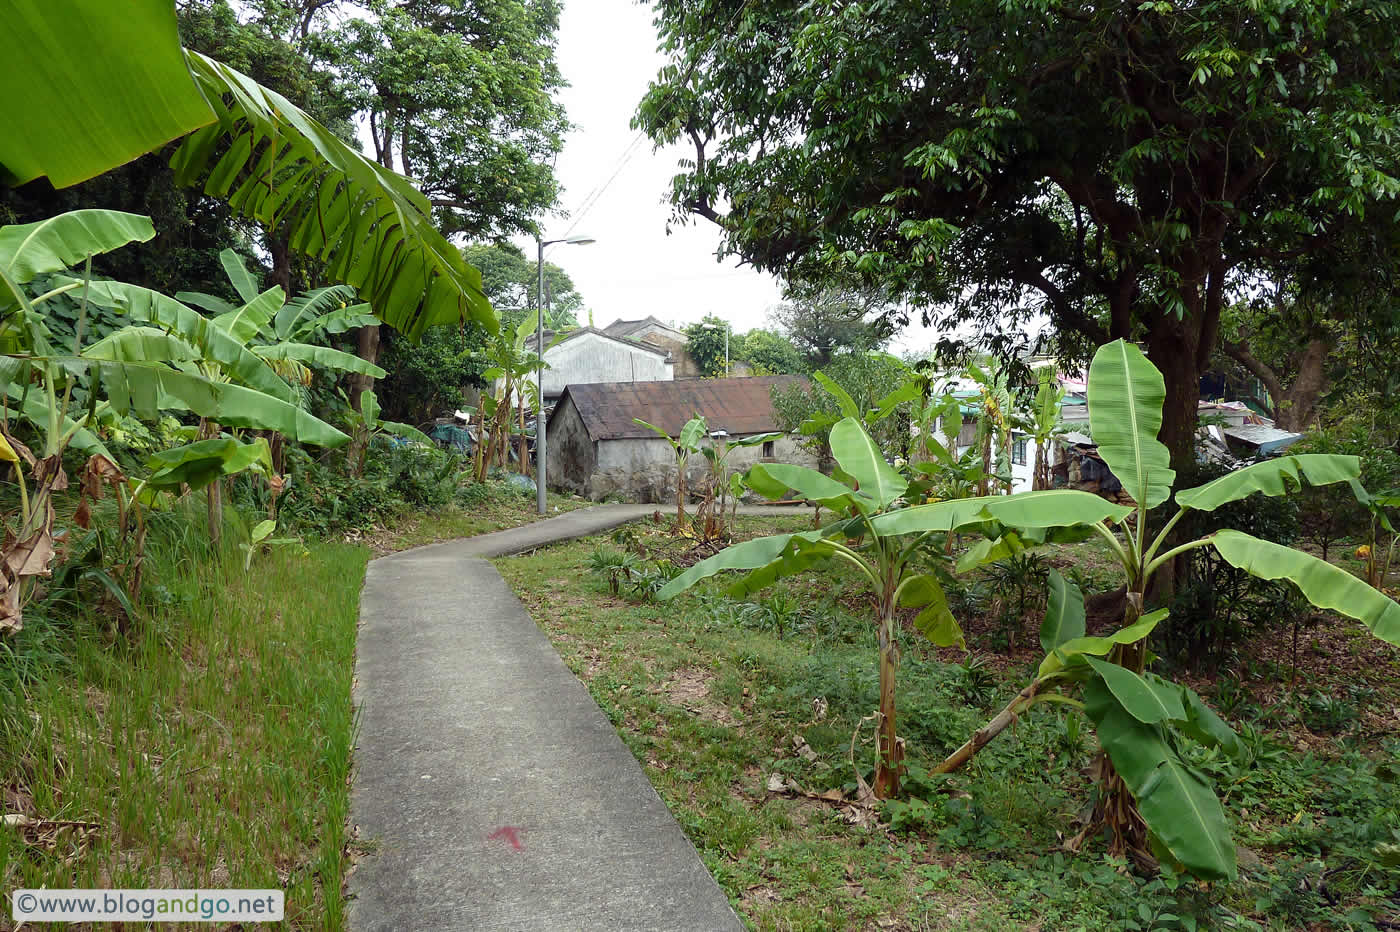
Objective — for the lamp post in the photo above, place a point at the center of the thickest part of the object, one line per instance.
(726, 328)
(541, 453)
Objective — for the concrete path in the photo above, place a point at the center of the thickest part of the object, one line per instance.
(494, 790)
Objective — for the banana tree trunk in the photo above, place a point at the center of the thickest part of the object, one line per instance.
(888, 749)
(680, 494)
(523, 447)
(214, 492)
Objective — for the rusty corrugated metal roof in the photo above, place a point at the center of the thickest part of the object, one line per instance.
(739, 406)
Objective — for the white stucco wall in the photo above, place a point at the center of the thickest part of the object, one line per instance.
(591, 357)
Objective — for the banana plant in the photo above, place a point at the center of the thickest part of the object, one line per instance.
(511, 365)
(1151, 799)
(281, 334)
(717, 453)
(1044, 424)
(687, 442)
(993, 426)
(878, 536)
(366, 425)
(137, 370)
(243, 143)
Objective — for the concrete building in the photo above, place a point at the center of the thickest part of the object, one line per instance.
(653, 332)
(596, 450)
(586, 355)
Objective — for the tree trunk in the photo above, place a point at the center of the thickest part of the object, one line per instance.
(367, 348)
(281, 263)
(888, 752)
(1294, 406)
(1174, 353)
(214, 492)
(1299, 408)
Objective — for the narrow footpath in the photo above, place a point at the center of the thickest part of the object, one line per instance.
(492, 790)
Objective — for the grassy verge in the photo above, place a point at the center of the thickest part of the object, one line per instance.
(208, 743)
(722, 700)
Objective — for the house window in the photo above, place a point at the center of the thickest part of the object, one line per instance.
(768, 449)
(1018, 451)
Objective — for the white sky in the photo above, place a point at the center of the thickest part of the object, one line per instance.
(607, 52)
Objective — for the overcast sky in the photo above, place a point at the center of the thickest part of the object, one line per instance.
(607, 51)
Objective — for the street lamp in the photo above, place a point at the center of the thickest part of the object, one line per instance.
(726, 328)
(540, 451)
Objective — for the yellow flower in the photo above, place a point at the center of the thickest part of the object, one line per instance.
(1363, 552)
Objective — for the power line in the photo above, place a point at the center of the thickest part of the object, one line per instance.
(631, 150)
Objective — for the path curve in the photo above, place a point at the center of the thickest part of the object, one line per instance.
(493, 791)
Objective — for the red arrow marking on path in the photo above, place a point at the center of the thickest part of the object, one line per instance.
(509, 833)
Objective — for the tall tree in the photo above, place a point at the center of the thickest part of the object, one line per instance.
(771, 353)
(824, 322)
(1116, 167)
(457, 94)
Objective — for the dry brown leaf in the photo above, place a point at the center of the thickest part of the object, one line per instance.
(29, 557)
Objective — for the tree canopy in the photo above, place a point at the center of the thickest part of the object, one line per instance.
(1118, 168)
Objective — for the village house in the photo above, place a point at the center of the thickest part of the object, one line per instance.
(587, 355)
(653, 332)
(597, 450)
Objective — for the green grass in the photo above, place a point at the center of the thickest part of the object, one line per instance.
(709, 698)
(210, 741)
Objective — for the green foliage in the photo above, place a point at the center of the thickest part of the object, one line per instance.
(511, 282)
(865, 377)
(457, 95)
(769, 352)
(429, 378)
(706, 342)
(1041, 161)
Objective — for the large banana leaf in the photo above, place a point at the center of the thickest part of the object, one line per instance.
(1272, 477)
(89, 85)
(1061, 656)
(246, 322)
(749, 555)
(242, 280)
(369, 225)
(198, 464)
(1126, 393)
(772, 481)
(1052, 508)
(145, 389)
(848, 405)
(803, 552)
(940, 516)
(1321, 583)
(32, 249)
(329, 310)
(1146, 701)
(1064, 612)
(1176, 802)
(323, 356)
(861, 459)
(216, 345)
